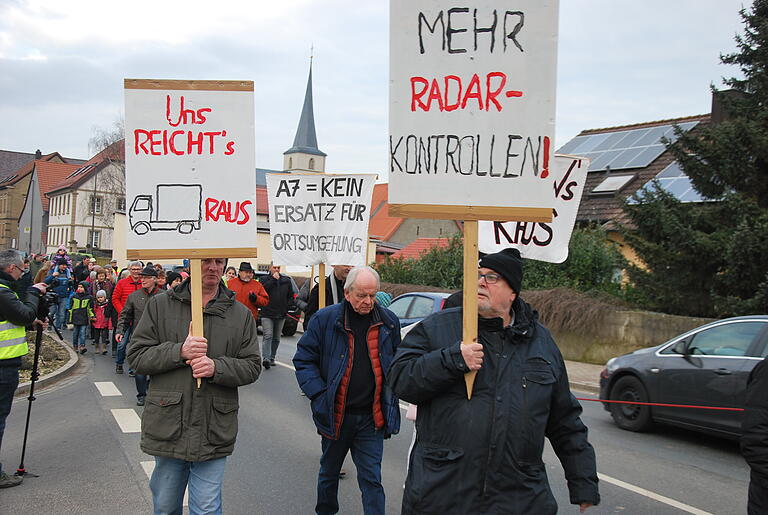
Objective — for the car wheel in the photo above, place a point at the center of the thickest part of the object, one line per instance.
(630, 416)
(289, 328)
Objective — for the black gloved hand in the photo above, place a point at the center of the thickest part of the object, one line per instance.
(252, 297)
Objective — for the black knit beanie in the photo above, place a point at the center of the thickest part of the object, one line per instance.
(509, 264)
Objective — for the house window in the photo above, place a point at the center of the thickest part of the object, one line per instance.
(96, 202)
(121, 203)
(67, 208)
(94, 238)
(311, 163)
(290, 163)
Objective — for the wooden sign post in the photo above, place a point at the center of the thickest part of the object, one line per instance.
(472, 118)
(182, 137)
(321, 286)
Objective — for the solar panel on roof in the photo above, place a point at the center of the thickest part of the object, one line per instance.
(673, 180)
(571, 145)
(640, 146)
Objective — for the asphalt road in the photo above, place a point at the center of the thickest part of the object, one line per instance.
(89, 465)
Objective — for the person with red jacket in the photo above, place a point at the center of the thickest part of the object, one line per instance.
(247, 291)
(103, 323)
(123, 288)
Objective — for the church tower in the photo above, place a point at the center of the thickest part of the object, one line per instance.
(304, 156)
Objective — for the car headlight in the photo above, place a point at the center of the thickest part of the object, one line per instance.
(612, 365)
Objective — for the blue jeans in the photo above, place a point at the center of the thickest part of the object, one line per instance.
(121, 347)
(142, 382)
(171, 476)
(358, 435)
(59, 312)
(271, 327)
(78, 335)
(9, 380)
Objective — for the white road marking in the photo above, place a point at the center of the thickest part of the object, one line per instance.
(149, 467)
(127, 419)
(652, 495)
(285, 365)
(107, 389)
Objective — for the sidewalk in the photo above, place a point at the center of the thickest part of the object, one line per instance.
(584, 376)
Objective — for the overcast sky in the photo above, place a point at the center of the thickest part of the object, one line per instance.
(62, 65)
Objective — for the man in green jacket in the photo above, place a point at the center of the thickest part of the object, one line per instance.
(191, 431)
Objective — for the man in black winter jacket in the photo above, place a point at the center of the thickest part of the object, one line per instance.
(754, 440)
(484, 455)
(280, 290)
(17, 310)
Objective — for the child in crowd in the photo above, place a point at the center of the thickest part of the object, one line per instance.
(102, 324)
(62, 257)
(80, 315)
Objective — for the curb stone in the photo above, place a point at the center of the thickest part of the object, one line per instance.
(56, 375)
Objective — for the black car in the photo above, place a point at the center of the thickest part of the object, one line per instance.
(707, 366)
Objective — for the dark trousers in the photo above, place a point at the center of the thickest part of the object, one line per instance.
(142, 382)
(757, 501)
(101, 335)
(9, 380)
(359, 436)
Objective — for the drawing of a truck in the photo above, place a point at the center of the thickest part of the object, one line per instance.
(174, 207)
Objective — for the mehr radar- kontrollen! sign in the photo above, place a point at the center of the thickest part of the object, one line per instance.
(190, 165)
(319, 218)
(472, 102)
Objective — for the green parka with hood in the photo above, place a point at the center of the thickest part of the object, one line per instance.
(181, 421)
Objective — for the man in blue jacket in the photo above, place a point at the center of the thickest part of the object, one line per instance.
(484, 455)
(341, 364)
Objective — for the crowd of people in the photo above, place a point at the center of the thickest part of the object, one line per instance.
(353, 367)
(468, 456)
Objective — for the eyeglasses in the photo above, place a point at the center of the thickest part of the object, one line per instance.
(135, 269)
(489, 278)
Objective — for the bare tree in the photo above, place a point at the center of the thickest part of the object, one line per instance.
(109, 181)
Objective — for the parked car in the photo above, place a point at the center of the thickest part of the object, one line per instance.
(707, 366)
(414, 306)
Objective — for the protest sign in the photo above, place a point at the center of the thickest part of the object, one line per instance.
(319, 218)
(540, 240)
(190, 168)
(190, 174)
(472, 107)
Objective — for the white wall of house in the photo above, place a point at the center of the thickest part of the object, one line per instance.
(86, 214)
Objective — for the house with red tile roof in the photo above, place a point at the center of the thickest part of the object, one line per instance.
(83, 203)
(33, 221)
(14, 188)
(415, 249)
(393, 233)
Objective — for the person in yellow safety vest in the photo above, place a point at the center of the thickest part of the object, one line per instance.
(16, 312)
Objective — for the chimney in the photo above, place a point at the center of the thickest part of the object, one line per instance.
(38, 154)
(720, 100)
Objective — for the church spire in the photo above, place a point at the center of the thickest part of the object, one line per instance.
(305, 141)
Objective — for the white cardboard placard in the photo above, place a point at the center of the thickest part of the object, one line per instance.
(543, 241)
(319, 218)
(190, 169)
(472, 102)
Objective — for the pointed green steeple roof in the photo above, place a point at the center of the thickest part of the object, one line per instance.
(306, 138)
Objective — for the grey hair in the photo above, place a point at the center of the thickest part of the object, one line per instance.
(352, 277)
(136, 263)
(10, 257)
